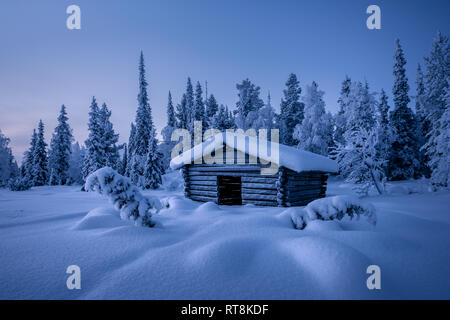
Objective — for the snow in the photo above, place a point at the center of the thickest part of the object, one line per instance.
(206, 251)
(289, 157)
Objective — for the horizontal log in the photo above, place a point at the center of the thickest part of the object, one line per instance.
(246, 196)
(262, 179)
(259, 191)
(302, 190)
(203, 199)
(260, 203)
(202, 188)
(203, 193)
(260, 185)
(202, 178)
(203, 183)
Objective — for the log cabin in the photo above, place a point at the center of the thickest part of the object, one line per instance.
(234, 169)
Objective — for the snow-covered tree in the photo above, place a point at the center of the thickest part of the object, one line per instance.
(144, 122)
(8, 167)
(291, 111)
(131, 147)
(122, 168)
(189, 105)
(404, 156)
(423, 123)
(439, 148)
(340, 120)
(40, 160)
(437, 84)
(182, 114)
(165, 148)
(76, 164)
(360, 104)
(315, 133)
(124, 195)
(198, 113)
(359, 162)
(249, 103)
(94, 156)
(211, 110)
(384, 143)
(223, 119)
(266, 117)
(154, 168)
(144, 130)
(60, 150)
(27, 164)
(109, 139)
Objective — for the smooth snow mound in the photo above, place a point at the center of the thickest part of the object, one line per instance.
(99, 218)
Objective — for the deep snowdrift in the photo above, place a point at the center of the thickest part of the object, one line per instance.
(205, 251)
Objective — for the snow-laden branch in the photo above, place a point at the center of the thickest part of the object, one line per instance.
(124, 195)
(333, 208)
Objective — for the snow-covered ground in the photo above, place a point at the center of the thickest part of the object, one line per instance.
(205, 251)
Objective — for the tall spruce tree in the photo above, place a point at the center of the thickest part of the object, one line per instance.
(8, 167)
(383, 141)
(40, 160)
(291, 111)
(248, 105)
(154, 169)
(131, 147)
(423, 123)
(109, 139)
(144, 126)
(404, 156)
(94, 157)
(199, 108)
(211, 110)
(437, 83)
(340, 120)
(182, 114)
(165, 148)
(27, 164)
(189, 105)
(60, 150)
(223, 119)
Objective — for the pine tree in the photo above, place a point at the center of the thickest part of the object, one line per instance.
(144, 126)
(143, 114)
(340, 119)
(423, 123)
(60, 150)
(383, 140)
(439, 150)
(27, 165)
(404, 156)
(358, 161)
(131, 147)
(266, 117)
(182, 114)
(223, 119)
(437, 84)
(199, 107)
(315, 133)
(249, 103)
(109, 139)
(124, 162)
(189, 106)
(291, 111)
(40, 161)
(211, 110)
(165, 148)
(76, 164)
(94, 157)
(8, 167)
(153, 166)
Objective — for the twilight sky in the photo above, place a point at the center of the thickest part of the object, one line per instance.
(44, 65)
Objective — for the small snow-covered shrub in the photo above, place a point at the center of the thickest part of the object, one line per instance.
(332, 208)
(125, 196)
(19, 184)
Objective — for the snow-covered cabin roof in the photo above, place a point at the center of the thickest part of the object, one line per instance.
(292, 158)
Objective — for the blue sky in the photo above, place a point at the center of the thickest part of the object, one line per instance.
(43, 64)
